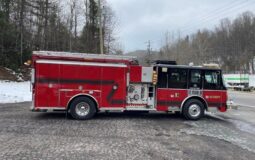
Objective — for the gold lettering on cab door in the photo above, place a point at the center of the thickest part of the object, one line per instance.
(212, 97)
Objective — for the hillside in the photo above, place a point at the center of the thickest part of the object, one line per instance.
(142, 55)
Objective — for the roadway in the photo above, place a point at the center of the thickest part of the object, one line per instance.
(29, 135)
(244, 99)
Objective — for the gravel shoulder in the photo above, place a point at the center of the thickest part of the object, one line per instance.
(27, 135)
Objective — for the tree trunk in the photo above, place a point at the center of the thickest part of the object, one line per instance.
(21, 25)
(46, 19)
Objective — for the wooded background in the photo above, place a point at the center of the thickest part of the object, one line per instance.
(73, 25)
(70, 25)
(231, 44)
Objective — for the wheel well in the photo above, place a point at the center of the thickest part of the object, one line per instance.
(73, 98)
(197, 98)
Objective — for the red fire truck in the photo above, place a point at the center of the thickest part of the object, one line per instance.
(84, 84)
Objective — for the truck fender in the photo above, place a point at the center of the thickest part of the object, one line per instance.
(83, 95)
(194, 97)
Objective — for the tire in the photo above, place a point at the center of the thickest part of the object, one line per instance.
(82, 108)
(193, 109)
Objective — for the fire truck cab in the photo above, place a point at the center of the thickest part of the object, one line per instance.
(84, 84)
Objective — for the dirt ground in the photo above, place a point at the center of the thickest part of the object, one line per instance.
(6, 75)
(27, 135)
(22, 75)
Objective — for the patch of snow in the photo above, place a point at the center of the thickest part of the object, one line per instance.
(13, 92)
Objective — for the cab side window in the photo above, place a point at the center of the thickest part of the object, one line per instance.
(195, 79)
(177, 78)
(211, 80)
(172, 78)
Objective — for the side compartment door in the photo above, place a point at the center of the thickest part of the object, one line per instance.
(114, 87)
(171, 89)
(47, 85)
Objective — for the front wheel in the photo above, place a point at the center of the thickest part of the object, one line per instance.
(82, 108)
(193, 109)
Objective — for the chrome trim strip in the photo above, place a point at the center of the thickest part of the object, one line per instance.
(70, 90)
(189, 89)
(111, 109)
(128, 79)
(208, 90)
(33, 102)
(50, 108)
(81, 94)
(173, 109)
(140, 109)
(32, 75)
(171, 89)
(81, 63)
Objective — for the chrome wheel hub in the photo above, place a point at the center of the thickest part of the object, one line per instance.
(194, 110)
(82, 109)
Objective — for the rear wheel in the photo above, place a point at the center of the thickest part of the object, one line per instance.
(193, 109)
(82, 108)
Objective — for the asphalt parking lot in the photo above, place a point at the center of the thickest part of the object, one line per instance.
(27, 135)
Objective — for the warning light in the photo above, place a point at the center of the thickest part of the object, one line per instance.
(154, 78)
(28, 63)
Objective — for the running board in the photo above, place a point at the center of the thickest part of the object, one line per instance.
(127, 109)
(139, 109)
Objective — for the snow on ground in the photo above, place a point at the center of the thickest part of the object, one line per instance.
(12, 92)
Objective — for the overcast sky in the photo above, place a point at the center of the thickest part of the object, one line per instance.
(143, 20)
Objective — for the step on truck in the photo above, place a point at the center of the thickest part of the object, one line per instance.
(85, 84)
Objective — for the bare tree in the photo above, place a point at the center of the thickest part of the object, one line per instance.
(231, 44)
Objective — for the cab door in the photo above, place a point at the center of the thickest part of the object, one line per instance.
(213, 91)
(195, 82)
(171, 88)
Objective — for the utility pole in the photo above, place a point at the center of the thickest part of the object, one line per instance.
(178, 46)
(149, 47)
(22, 5)
(148, 57)
(100, 28)
(21, 46)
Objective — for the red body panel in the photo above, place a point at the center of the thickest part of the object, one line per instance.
(170, 98)
(213, 98)
(176, 97)
(56, 84)
(76, 80)
(44, 95)
(114, 95)
(135, 74)
(216, 98)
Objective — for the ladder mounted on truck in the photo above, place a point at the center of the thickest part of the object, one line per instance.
(85, 57)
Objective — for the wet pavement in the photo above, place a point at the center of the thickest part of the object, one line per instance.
(244, 99)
